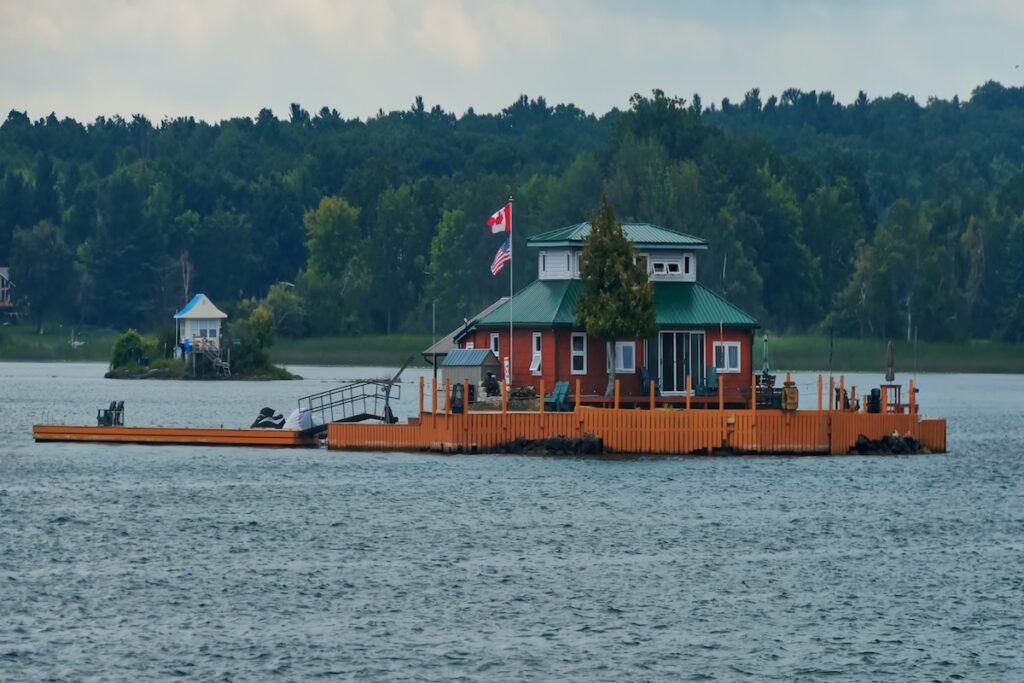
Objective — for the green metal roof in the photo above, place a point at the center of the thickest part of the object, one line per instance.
(547, 303)
(469, 357)
(642, 235)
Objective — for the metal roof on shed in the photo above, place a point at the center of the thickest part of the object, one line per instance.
(546, 303)
(469, 357)
(643, 235)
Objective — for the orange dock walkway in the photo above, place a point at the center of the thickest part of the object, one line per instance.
(276, 438)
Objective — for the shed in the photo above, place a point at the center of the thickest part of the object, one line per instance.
(469, 364)
(199, 322)
(6, 288)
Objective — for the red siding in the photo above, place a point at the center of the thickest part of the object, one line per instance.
(556, 359)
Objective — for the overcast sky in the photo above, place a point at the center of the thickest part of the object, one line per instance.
(221, 58)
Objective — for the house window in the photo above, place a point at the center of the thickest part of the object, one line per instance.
(543, 262)
(205, 328)
(579, 353)
(673, 267)
(625, 357)
(470, 345)
(494, 344)
(535, 361)
(658, 267)
(727, 356)
(568, 262)
(686, 265)
(577, 262)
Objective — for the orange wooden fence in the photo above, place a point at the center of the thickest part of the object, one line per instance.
(643, 431)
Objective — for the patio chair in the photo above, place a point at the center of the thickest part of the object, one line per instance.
(557, 400)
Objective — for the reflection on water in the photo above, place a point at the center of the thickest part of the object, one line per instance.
(136, 562)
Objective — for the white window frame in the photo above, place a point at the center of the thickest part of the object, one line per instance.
(726, 367)
(543, 262)
(574, 354)
(687, 265)
(535, 362)
(615, 351)
(663, 268)
(495, 344)
(577, 263)
(470, 345)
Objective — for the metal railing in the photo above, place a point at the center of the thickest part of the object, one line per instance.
(353, 402)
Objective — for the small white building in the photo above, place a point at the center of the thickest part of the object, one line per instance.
(6, 289)
(199, 323)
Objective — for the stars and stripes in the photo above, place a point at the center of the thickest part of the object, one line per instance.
(503, 256)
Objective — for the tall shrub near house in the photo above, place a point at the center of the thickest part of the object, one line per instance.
(617, 301)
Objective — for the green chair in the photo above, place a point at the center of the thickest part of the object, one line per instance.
(557, 401)
(645, 377)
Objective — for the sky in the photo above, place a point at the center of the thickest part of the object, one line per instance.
(216, 59)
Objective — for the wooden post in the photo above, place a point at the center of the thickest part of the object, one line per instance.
(447, 396)
(842, 392)
(504, 398)
(542, 397)
(465, 414)
(831, 392)
(853, 398)
(819, 393)
(688, 391)
(912, 399)
(721, 393)
(885, 401)
(651, 405)
(616, 394)
(433, 402)
(422, 380)
(753, 393)
(577, 394)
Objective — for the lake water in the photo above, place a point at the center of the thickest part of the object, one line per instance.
(141, 563)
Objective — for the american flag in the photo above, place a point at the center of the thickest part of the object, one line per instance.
(503, 256)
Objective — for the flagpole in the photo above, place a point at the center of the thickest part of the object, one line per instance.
(511, 267)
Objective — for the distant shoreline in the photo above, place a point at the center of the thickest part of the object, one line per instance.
(798, 353)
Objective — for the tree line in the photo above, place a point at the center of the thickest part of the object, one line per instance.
(881, 217)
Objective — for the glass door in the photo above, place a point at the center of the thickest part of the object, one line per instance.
(680, 354)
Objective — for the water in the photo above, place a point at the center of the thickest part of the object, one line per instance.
(140, 563)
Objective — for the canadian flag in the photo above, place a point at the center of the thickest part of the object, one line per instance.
(501, 221)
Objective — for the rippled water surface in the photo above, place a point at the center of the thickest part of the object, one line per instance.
(142, 563)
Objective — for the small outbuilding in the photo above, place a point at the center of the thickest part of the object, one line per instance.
(6, 289)
(470, 364)
(199, 324)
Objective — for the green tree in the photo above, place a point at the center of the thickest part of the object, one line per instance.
(617, 301)
(43, 269)
(333, 236)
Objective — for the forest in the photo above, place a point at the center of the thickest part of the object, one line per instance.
(881, 217)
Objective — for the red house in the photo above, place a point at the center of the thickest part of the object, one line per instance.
(700, 335)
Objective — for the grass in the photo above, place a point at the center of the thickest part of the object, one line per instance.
(371, 350)
(22, 342)
(858, 355)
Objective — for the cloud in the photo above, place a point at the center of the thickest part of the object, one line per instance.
(217, 58)
(446, 31)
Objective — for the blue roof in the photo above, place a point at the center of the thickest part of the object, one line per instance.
(189, 306)
(471, 357)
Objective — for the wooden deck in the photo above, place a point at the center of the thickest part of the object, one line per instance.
(659, 427)
(274, 438)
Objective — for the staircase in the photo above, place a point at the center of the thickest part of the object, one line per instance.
(354, 402)
(212, 354)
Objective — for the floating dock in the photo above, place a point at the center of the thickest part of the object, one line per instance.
(645, 428)
(190, 436)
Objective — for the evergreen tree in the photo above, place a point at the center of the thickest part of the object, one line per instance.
(617, 301)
